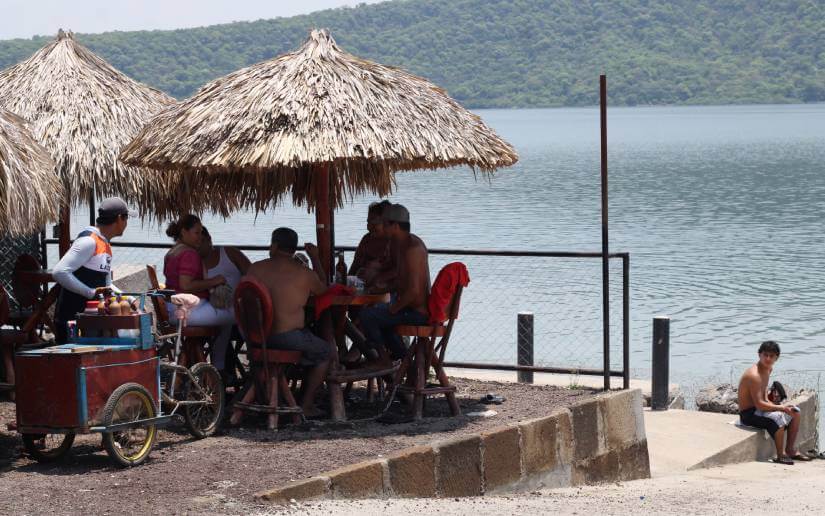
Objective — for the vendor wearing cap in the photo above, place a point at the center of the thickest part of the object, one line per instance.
(86, 268)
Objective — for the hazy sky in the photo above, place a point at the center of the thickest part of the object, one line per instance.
(26, 18)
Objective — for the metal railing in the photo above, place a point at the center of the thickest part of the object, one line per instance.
(562, 289)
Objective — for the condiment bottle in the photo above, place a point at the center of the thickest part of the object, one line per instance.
(125, 307)
(101, 305)
(114, 306)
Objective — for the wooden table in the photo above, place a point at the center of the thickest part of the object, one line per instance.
(41, 312)
(336, 375)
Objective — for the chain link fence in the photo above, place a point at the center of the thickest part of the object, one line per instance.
(563, 291)
(10, 249)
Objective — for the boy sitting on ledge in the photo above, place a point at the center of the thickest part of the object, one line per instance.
(757, 411)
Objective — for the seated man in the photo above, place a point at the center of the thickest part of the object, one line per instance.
(753, 389)
(413, 287)
(373, 258)
(290, 284)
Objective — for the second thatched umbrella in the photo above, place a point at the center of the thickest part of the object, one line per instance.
(83, 111)
(30, 192)
(319, 123)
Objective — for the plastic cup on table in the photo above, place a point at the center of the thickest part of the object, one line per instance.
(356, 283)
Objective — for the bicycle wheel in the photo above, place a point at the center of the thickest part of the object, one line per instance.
(131, 446)
(48, 447)
(203, 420)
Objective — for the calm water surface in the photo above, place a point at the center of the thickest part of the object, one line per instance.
(721, 209)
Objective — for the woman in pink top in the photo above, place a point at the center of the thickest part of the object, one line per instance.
(183, 269)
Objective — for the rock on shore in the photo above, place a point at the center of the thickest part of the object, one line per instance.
(721, 398)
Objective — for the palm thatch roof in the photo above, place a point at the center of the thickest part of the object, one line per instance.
(83, 111)
(249, 138)
(30, 192)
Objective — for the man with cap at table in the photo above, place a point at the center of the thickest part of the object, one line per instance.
(86, 269)
(409, 305)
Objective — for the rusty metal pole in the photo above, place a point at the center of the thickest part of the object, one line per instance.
(605, 258)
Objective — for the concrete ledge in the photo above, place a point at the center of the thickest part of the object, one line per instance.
(501, 466)
(758, 444)
(601, 439)
(681, 440)
(362, 480)
(412, 472)
(308, 489)
(458, 467)
(538, 444)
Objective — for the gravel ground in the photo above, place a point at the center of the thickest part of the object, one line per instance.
(749, 488)
(220, 474)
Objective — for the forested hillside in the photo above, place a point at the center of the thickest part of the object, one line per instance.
(519, 53)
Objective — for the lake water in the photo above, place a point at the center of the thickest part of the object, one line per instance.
(721, 209)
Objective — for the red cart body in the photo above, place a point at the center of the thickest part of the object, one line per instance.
(66, 387)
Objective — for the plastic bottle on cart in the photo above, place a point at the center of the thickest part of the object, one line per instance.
(341, 270)
(71, 327)
(114, 306)
(125, 307)
(101, 305)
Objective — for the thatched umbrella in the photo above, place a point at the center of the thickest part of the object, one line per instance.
(30, 192)
(247, 139)
(83, 111)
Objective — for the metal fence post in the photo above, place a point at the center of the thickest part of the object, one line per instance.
(625, 321)
(524, 345)
(661, 363)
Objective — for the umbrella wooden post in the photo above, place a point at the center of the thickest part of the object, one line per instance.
(92, 207)
(63, 227)
(323, 219)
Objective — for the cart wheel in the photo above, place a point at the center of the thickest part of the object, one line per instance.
(48, 447)
(129, 447)
(204, 420)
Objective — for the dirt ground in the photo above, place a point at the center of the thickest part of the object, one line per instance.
(220, 474)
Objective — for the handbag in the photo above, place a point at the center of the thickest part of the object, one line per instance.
(220, 296)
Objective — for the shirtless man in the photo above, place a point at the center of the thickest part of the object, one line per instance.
(753, 396)
(290, 284)
(413, 286)
(373, 256)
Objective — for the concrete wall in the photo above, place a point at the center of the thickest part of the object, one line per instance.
(598, 440)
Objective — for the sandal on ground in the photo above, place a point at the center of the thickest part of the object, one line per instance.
(782, 460)
(491, 398)
(816, 454)
(800, 457)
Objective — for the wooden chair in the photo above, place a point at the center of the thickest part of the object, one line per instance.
(26, 293)
(266, 382)
(10, 341)
(194, 337)
(425, 353)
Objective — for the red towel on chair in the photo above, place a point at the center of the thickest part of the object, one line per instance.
(449, 278)
(324, 301)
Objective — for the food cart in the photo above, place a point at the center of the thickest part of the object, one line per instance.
(112, 380)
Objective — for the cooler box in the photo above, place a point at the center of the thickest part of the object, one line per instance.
(124, 330)
(65, 387)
